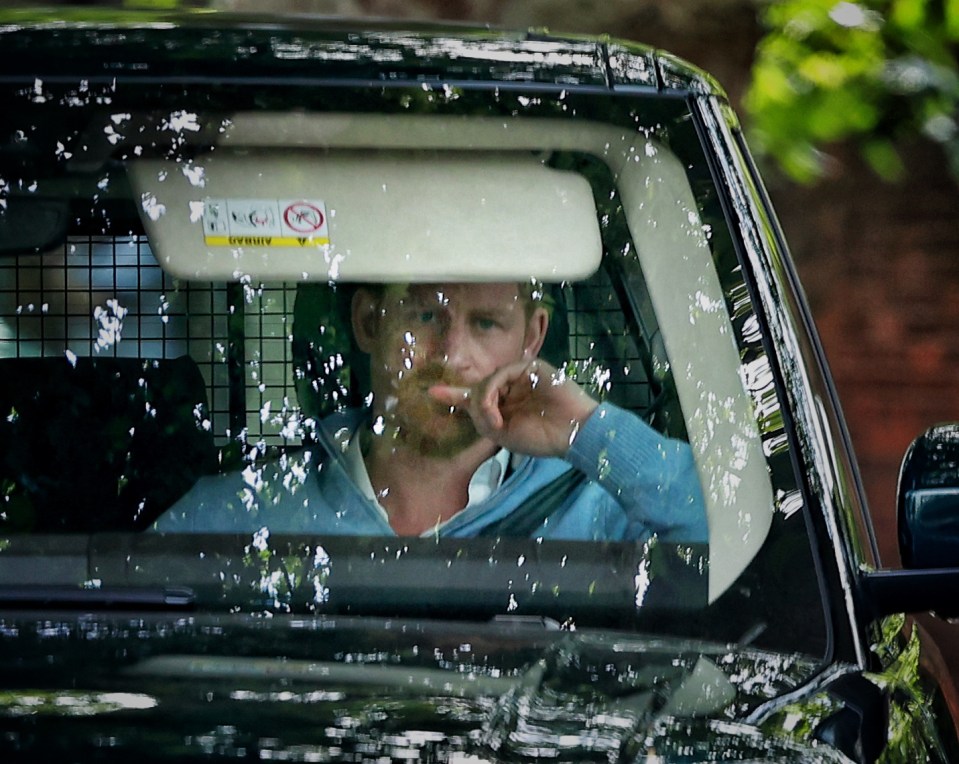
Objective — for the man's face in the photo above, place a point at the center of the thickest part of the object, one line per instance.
(457, 334)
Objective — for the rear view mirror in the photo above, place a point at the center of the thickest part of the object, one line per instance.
(928, 500)
(30, 226)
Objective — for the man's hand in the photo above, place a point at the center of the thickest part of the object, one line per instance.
(527, 407)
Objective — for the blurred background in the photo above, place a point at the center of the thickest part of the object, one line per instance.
(851, 108)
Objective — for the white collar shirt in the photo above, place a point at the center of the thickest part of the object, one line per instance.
(485, 480)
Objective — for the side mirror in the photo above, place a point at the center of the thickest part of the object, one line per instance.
(928, 503)
(928, 500)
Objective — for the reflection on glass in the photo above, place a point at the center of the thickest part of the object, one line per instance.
(67, 703)
(467, 400)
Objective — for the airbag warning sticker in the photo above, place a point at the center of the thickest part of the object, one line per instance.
(264, 223)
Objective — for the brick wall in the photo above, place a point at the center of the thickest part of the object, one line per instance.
(880, 265)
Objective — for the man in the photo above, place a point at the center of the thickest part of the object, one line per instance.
(469, 432)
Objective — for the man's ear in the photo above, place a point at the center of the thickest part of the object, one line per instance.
(536, 329)
(364, 317)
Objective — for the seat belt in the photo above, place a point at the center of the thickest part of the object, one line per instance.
(532, 512)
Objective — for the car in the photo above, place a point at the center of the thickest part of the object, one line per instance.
(386, 392)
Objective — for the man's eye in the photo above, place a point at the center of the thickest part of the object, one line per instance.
(426, 316)
(486, 323)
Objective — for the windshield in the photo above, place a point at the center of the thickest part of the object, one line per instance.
(397, 350)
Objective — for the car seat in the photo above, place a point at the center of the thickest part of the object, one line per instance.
(99, 444)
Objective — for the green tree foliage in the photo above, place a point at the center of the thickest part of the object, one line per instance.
(873, 72)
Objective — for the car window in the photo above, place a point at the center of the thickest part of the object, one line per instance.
(227, 320)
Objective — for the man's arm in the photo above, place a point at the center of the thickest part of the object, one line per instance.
(531, 408)
(653, 478)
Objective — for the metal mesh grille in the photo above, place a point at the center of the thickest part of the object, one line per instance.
(603, 348)
(108, 296)
(270, 396)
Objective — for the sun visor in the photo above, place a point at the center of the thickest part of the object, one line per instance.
(294, 215)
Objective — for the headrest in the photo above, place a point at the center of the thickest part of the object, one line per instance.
(97, 444)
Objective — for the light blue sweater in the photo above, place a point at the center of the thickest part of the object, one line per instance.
(637, 484)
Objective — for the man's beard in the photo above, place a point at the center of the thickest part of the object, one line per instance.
(422, 423)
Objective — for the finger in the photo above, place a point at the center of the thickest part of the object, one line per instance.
(451, 395)
(513, 384)
(498, 391)
(505, 377)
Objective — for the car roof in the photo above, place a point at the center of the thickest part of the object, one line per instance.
(221, 45)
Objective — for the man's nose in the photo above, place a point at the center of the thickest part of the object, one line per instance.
(454, 344)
